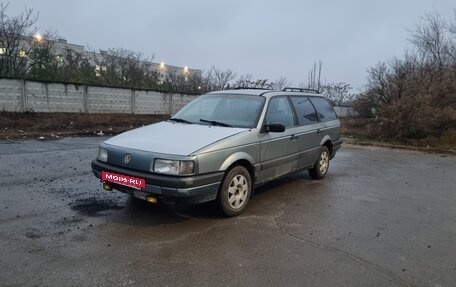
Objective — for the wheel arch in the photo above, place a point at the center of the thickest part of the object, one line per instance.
(326, 141)
(240, 158)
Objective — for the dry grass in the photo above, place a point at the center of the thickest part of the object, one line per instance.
(54, 125)
(358, 130)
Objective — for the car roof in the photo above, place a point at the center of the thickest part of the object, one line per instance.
(265, 92)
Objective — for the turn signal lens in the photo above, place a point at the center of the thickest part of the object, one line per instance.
(186, 167)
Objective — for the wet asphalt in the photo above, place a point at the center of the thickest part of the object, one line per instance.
(381, 217)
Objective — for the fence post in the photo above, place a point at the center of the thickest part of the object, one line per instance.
(23, 96)
(133, 101)
(170, 102)
(46, 90)
(86, 101)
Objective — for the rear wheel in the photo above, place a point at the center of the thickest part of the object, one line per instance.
(234, 194)
(320, 168)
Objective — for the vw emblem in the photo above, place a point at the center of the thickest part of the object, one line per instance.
(127, 158)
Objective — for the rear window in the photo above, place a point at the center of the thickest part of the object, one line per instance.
(304, 110)
(324, 109)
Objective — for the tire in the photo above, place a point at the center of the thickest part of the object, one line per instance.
(321, 166)
(235, 191)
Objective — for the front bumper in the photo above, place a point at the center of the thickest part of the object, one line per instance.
(168, 189)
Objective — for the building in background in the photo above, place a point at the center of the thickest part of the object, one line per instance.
(163, 69)
(60, 47)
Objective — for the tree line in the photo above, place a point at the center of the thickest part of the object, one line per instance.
(414, 96)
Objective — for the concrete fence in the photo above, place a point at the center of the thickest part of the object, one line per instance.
(344, 111)
(18, 95)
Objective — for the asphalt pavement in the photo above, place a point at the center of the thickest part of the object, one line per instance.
(381, 217)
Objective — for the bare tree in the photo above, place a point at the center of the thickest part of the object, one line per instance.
(279, 84)
(452, 42)
(314, 76)
(378, 83)
(217, 79)
(121, 67)
(16, 41)
(244, 81)
(337, 93)
(247, 81)
(431, 39)
(261, 84)
(69, 65)
(175, 82)
(185, 83)
(86, 71)
(195, 83)
(43, 63)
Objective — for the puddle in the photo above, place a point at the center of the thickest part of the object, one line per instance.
(95, 207)
(33, 234)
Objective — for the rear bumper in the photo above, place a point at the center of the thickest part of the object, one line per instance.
(168, 189)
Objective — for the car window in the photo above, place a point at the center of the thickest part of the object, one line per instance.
(325, 110)
(279, 111)
(234, 110)
(202, 109)
(304, 110)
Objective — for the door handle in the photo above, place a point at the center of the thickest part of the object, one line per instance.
(318, 131)
(293, 137)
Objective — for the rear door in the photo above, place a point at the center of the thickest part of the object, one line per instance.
(327, 115)
(310, 131)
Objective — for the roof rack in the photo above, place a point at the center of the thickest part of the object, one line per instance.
(250, 88)
(303, 90)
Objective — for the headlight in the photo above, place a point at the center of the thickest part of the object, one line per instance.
(102, 154)
(173, 166)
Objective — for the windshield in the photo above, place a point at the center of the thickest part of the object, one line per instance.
(228, 110)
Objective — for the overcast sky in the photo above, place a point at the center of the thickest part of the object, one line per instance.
(268, 39)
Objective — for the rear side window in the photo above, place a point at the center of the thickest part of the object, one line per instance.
(324, 109)
(304, 110)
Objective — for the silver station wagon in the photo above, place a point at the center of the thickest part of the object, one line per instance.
(221, 146)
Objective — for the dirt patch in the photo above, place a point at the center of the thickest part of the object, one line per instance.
(55, 125)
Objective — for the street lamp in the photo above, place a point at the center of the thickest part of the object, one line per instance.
(38, 37)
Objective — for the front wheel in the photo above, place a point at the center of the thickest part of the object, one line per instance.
(320, 168)
(234, 194)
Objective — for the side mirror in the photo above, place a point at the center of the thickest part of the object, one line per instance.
(275, 128)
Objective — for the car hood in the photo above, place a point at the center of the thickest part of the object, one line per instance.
(172, 138)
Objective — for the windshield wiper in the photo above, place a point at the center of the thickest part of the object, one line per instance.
(216, 123)
(180, 120)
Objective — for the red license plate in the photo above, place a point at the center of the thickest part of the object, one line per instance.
(123, 180)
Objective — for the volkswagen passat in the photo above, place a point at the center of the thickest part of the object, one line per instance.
(222, 145)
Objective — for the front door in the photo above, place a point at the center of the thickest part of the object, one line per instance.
(279, 150)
